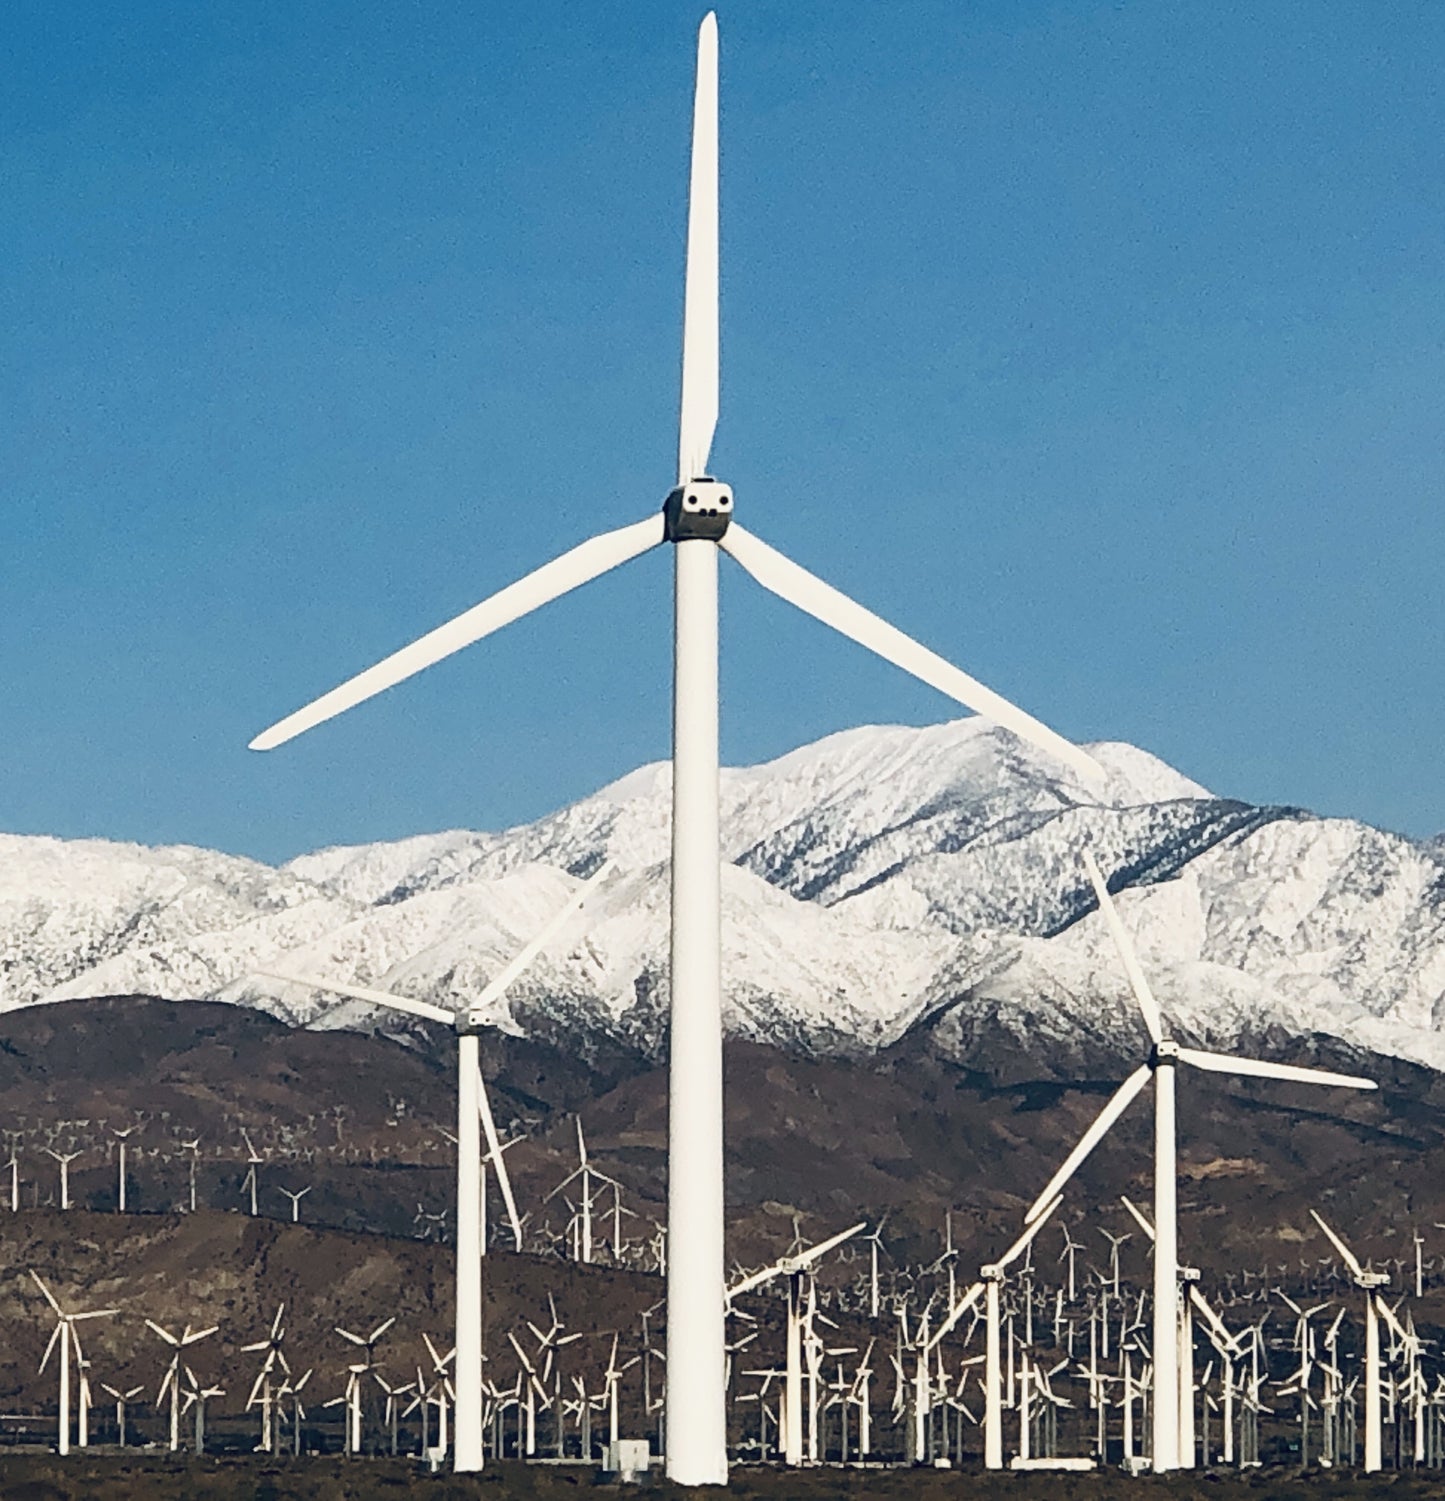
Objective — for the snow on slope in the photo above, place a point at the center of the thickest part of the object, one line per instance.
(879, 875)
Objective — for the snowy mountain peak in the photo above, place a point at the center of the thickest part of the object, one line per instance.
(877, 877)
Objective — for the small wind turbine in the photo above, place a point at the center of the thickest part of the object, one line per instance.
(296, 1198)
(473, 1109)
(249, 1181)
(65, 1334)
(1164, 1056)
(1376, 1308)
(194, 1148)
(990, 1282)
(120, 1135)
(64, 1159)
(14, 1166)
(697, 519)
(171, 1382)
(793, 1267)
(262, 1394)
(122, 1401)
(367, 1343)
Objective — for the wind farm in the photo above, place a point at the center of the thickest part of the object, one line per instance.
(766, 1128)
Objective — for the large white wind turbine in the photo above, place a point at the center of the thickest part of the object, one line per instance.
(65, 1335)
(473, 1110)
(1164, 1055)
(697, 517)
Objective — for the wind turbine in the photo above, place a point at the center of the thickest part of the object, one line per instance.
(122, 1401)
(296, 1199)
(65, 1335)
(261, 1392)
(194, 1148)
(249, 1181)
(697, 518)
(172, 1380)
(1164, 1056)
(120, 1134)
(64, 1159)
(1376, 1308)
(473, 1108)
(792, 1266)
(368, 1343)
(990, 1281)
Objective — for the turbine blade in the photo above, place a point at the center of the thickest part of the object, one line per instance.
(1036, 1224)
(572, 569)
(955, 1314)
(494, 1152)
(700, 354)
(49, 1296)
(361, 993)
(499, 985)
(1137, 982)
(810, 594)
(1225, 1063)
(1346, 1255)
(1139, 1217)
(1122, 1098)
(823, 1247)
(45, 1359)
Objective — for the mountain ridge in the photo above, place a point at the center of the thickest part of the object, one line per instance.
(873, 878)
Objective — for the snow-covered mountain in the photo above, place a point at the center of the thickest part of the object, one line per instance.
(878, 878)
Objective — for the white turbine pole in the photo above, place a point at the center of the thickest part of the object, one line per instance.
(696, 1431)
(992, 1395)
(468, 1369)
(64, 1444)
(1373, 1445)
(1165, 1348)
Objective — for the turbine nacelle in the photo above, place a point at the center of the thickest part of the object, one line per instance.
(700, 509)
(1166, 1050)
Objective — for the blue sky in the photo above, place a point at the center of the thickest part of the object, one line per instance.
(1099, 346)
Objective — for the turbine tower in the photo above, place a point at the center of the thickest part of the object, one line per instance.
(1164, 1057)
(697, 518)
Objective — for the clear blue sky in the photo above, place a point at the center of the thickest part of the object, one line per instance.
(1101, 346)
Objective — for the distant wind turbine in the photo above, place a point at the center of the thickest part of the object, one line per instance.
(1164, 1056)
(473, 1108)
(697, 519)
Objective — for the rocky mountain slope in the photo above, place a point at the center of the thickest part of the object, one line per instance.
(880, 880)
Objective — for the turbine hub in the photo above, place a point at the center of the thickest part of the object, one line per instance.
(1166, 1050)
(471, 1022)
(700, 509)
